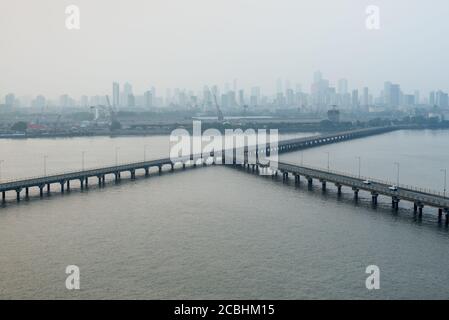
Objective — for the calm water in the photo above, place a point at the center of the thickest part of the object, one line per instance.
(219, 232)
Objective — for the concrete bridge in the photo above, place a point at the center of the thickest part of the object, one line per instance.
(63, 180)
(418, 196)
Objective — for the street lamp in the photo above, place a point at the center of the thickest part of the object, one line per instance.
(145, 152)
(397, 178)
(45, 165)
(328, 161)
(1, 161)
(116, 155)
(445, 181)
(360, 164)
(82, 159)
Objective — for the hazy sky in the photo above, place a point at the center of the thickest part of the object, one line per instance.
(189, 43)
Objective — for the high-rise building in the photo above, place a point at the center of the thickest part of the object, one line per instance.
(115, 94)
(342, 88)
(127, 91)
(355, 98)
(148, 99)
(10, 99)
(365, 97)
(441, 99)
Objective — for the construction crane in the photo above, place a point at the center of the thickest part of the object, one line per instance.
(115, 124)
(219, 113)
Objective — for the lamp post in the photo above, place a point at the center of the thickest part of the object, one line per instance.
(82, 160)
(397, 177)
(445, 181)
(360, 164)
(116, 155)
(45, 165)
(145, 152)
(1, 161)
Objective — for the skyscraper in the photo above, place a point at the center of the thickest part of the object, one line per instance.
(115, 94)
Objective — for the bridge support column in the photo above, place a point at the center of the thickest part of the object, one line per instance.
(41, 191)
(356, 193)
(415, 207)
(374, 196)
(309, 182)
(48, 188)
(284, 176)
(62, 183)
(3, 196)
(395, 203)
(18, 194)
(323, 185)
(133, 174)
(440, 214)
(183, 166)
(420, 207)
(87, 183)
(27, 192)
(103, 180)
(68, 185)
(173, 166)
(160, 167)
(99, 181)
(117, 177)
(338, 188)
(297, 178)
(82, 183)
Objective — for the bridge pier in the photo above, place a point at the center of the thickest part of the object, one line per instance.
(62, 183)
(3, 197)
(68, 185)
(82, 183)
(297, 178)
(87, 183)
(323, 185)
(415, 207)
(309, 182)
(133, 174)
(338, 188)
(160, 167)
(27, 192)
(173, 166)
(41, 191)
(395, 203)
(284, 176)
(374, 196)
(440, 214)
(117, 177)
(99, 181)
(356, 193)
(420, 207)
(48, 188)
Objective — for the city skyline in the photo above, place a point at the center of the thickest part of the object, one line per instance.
(320, 92)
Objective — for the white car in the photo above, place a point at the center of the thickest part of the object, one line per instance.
(393, 188)
(367, 182)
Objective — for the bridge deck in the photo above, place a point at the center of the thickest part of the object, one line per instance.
(409, 193)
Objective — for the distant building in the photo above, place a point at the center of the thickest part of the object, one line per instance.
(333, 115)
(148, 99)
(115, 94)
